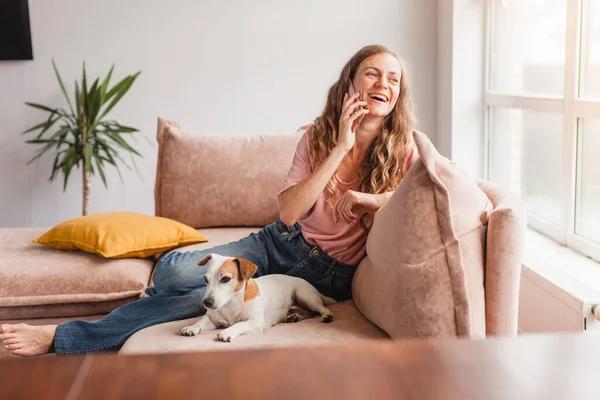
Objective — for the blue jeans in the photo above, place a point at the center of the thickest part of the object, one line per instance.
(179, 286)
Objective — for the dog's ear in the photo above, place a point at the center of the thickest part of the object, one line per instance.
(247, 268)
(205, 260)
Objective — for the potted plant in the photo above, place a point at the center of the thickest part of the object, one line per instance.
(84, 137)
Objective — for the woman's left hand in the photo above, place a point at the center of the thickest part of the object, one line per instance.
(351, 205)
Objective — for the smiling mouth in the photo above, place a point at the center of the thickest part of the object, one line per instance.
(379, 98)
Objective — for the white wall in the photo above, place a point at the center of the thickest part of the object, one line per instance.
(228, 67)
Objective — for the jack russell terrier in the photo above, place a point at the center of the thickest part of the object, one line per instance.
(244, 305)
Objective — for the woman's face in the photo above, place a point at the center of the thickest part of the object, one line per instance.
(378, 80)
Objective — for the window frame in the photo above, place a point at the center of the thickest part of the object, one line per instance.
(571, 106)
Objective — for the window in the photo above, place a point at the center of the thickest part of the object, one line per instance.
(543, 113)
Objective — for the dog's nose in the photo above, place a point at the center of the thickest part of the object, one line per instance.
(208, 302)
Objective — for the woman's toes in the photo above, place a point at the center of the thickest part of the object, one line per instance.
(28, 340)
(9, 328)
(24, 352)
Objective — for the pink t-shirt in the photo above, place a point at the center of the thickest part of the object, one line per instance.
(343, 241)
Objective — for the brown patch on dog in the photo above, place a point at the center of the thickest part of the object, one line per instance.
(251, 291)
(242, 270)
(231, 267)
(205, 260)
(247, 271)
(247, 268)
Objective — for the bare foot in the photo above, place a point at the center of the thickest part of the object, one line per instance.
(27, 340)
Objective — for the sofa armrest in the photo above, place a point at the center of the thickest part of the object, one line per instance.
(504, 252)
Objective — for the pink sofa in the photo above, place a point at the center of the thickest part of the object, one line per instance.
(226, 187)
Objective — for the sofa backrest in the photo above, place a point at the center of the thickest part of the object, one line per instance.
(211, 180)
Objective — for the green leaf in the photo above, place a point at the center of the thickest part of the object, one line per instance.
(99, 166)
(104, 159)
(119, 140)
(69, 161)
(113, 162)
(62, 86)
(119, 90)
(104, 86)
(77, 98)
(46, 125)
(42, 124)
(67, 116)
(84, 89)
(115, 89)
(61, 134)
(41, 107)
(94, 103)
(51, 141)
(56, 166)
(39, 141)
(89, 150)
(48, 144)
(126, 129)
(111, 154)
(66, 172)
(115, 127)
(57, 138)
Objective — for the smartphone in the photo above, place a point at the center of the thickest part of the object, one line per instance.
(356, 122)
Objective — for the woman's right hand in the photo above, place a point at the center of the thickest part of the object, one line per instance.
(352, 109)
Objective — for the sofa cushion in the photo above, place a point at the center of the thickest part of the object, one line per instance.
(348, 324)
(122, 234)
(424, 271)
(39, 281)
(206, 180)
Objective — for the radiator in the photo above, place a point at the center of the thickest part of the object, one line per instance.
(547, 307)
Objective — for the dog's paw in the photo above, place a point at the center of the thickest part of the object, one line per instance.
(291, 318)
(190, 331)
(225, 336)
(294, 310)
(327, 318)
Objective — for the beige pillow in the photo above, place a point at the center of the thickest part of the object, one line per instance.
(208, 180)
(424, 271)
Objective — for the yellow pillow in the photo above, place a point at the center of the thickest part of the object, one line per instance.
(120, 235)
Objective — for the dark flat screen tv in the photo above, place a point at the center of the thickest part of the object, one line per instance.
(15, 33)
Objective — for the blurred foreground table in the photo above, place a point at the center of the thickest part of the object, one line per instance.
(544, 366)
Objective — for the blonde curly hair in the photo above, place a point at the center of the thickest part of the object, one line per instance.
(382, 170)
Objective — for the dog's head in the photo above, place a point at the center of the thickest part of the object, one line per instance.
(226, 276)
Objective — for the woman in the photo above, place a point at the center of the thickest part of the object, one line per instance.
(345, 168)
